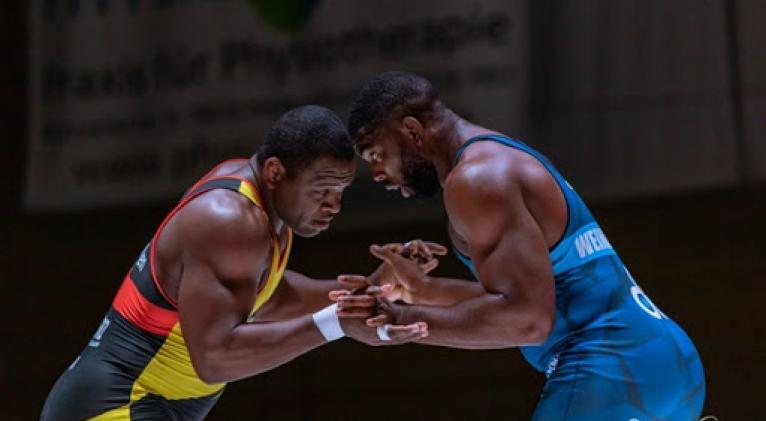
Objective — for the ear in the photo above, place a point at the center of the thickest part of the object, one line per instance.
(413, 131)
(273, 172)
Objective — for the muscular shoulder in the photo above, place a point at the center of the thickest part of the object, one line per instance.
(489, 171)
(221, 226)
(495, 185)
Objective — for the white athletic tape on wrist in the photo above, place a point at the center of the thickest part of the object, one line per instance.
(328, 323)
(383, 332)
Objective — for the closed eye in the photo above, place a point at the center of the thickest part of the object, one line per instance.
(320, 194)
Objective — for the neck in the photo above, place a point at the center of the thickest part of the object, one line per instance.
(447, 135)
(265, 193)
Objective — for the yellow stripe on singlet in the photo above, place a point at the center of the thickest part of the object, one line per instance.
(276, 271)
(168, 374)
(246, 189)
(278, 263)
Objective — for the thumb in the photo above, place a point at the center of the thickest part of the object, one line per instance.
(378, 320)
(379, 291)
(354, 281)
(436, 248)
(336, 294)
(384, 254)
(429, 266)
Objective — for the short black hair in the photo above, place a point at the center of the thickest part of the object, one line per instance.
(305, 134)
(389, 95)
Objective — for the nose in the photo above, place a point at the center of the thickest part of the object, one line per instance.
(379, 176)
(332, 203)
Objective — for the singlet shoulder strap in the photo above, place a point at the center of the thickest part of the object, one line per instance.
(237, 184)
(497, 138)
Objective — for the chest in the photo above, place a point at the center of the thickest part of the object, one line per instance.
(458, 241)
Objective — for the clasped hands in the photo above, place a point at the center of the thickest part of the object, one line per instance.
(374, 310)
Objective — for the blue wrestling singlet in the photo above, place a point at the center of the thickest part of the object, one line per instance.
(612, 354)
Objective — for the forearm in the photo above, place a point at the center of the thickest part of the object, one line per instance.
(445, 291)
(482, 322)
(298, 295)
(253, 348)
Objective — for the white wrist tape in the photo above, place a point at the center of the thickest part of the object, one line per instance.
(383, 332)
(328, 323)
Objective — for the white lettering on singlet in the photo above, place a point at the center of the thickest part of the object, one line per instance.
(74, 363)
(590, 242)
(96, 340)
(642, 300)
(142, 260)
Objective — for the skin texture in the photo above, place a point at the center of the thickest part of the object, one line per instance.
(215, 252)
(505, 212)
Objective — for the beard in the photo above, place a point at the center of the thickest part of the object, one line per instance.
(420, 176)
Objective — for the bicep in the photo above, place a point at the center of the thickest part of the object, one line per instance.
(222, 258)
(506, 245)
(210, 307)
(516, 263)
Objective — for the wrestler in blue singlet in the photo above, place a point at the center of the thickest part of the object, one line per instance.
(612, 354)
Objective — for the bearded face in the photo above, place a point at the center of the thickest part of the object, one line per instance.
(419, 175)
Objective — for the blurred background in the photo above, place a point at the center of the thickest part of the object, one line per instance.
(654, 110)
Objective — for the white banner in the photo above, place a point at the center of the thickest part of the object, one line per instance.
(133, 99)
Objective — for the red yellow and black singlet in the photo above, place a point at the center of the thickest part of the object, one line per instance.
(137, 366)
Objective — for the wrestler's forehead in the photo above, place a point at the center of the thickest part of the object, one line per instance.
(328, 170)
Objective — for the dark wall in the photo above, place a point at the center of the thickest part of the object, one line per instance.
(13, 101)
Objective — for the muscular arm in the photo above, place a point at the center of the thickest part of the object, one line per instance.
(226, 245)
(487, 206)
(437, 291)
(297, 295)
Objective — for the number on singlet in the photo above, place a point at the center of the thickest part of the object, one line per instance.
(642, 300)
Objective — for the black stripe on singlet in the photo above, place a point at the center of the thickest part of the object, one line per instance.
(101, 379)
(218, 183)
(141, 274)
(153, 407)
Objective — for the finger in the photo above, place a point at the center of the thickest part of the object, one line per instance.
(378, 320)
(384, 254)
(405, 329)
(436, 248)
(358, 291)
(336, 294)
(421, 249)
(414, 249)
(354, 281)
(429, 266)
(388, 292)
(356, 312)
(413, 327)
(408, 332)
(349, 301)
(396, 248)
(379, 291)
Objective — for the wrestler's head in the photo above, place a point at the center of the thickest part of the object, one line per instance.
(306, 162)
(389, 123)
